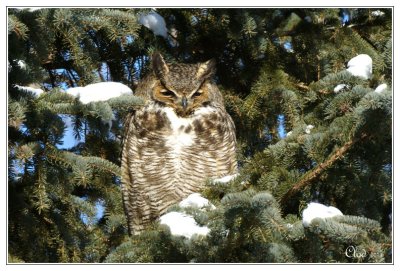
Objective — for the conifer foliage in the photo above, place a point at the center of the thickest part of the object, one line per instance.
(310, 128)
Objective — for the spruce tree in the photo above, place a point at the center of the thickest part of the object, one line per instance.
(309, 130)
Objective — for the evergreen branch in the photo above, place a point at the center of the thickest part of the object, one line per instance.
(26, 151)
(294, 231)
(103, 165)
(40, 195)
(14, 259)
(16, 26)
(125, 103)
(302, 86)
(16, 114)
(361, 222)
(362, 45)
(69, 159)
(387, 54)
(291, 106)
(311, 177)
(336, 231)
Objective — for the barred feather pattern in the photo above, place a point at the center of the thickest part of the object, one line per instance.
(166, 158)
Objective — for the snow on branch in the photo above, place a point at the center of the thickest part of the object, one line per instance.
(35, 91)
(309, 128)
(377, 13)
(315, 210)
(99, 91)
(225, 179)
(197, 201)
(91, 93)
(155, 22)
(340, 88)
(360, 66)
(182, 224)
(30, 9)
(381, 88)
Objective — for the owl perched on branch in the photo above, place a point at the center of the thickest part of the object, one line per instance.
(181, 137)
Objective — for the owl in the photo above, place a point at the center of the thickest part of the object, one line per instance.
(181, 137)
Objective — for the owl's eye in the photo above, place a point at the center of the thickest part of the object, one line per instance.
(197, 93)
(167, 93)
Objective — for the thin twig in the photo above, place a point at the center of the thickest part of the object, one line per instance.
(313, 175)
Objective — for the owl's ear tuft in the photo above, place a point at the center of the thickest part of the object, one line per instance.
(160, 67)
(206, 70)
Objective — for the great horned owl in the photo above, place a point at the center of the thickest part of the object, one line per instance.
(181, 137)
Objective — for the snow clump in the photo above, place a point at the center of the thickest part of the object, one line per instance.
(360, 66)
(317, 210)
(30, 9)
(225, 179)
(381, 88)
(197, 201)
(22, 64)
(99, 91)
(377, 13)
(36, 91)
(183, 225)
(309, 128)
(340, 87)
(155, 22)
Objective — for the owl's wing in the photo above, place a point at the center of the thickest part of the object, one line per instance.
(126, 182)
(127, 123)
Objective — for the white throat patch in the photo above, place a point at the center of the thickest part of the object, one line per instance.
(176, 121)
(179, 138)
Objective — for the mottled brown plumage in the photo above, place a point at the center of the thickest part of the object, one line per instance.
(179, 139)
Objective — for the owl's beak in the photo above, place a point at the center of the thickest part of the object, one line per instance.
(184, 103)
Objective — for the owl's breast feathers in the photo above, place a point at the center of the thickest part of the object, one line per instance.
(167, 157)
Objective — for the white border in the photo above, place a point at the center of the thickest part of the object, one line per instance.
(203, 3)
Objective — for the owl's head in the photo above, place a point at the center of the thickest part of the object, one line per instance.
(183, 87)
